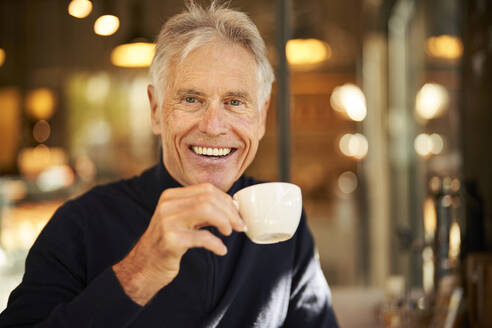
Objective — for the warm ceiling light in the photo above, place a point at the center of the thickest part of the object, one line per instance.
(307, 51)
(445, 46)
(137, 54)
(349, 99)
(2, 56)
(40, 103)
(431, 101)
(106, 25)
(80, 8)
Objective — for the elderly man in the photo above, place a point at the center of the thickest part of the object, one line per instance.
(166, 249)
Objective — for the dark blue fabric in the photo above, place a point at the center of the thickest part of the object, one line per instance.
(69, 281)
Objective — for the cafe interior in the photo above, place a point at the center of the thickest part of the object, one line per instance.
(380, 112)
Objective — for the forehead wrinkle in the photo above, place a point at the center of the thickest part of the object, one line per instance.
(189, 73)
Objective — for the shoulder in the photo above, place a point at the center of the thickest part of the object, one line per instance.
(74, 209)
(92, 205)
(126, 193)
(124, 188)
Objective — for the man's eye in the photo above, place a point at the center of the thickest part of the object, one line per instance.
(235, 102)
(190, 100)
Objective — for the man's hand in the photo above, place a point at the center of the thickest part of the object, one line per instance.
(174, 228)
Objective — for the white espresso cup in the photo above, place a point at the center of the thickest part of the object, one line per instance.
(271, 211)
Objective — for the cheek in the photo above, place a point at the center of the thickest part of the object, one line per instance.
(169, 127)
(176, 124)
(248, 128)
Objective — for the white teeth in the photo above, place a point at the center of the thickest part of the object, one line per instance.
(211, 151)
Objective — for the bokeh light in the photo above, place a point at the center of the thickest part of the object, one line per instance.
(347, 182)
(435, 184)
(98, 132)
(430, 219)
(455, 185)
(428, 269)
(344, 144)
(307, 51)
(354, 145)
(80, 8)
(106, 25)
(437, 143)
(85, 168)
(98, 87)
(423, 144)
(349, 99)
(41, 131)
(3, 55)
(454, 241)
(55, 177)
(431, 101)
(426, 145)
(138, 54)
(21, 224)
(445, 46)
(40, 103)
(32, 161)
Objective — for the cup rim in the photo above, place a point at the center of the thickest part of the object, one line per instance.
(269, 183)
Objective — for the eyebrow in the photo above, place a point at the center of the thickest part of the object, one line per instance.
(182, 92)
(238, 94)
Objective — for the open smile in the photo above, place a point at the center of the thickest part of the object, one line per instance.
(212, 152)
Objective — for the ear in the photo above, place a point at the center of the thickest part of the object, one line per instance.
(155, 113)
(263, 117)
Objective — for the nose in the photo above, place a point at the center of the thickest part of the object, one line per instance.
(212, 121)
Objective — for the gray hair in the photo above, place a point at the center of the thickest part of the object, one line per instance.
(195, 27)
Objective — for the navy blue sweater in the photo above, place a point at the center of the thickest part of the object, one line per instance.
(69, 281)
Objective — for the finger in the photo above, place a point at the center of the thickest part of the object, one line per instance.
(242, 224)
(239, 224)
(205, 239)
(208, 214)
(176, 199)
(175, 206)
(225, 204)
(188, 214)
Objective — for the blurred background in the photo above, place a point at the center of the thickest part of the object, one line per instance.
(381, 112)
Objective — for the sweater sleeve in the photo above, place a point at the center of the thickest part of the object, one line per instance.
(310, 299)
(54, 291)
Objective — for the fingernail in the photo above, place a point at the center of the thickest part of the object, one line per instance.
(236, 204)
(241, 226)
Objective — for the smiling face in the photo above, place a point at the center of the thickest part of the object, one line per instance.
(210, 121)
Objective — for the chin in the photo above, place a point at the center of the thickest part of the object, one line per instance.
(220, 181)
